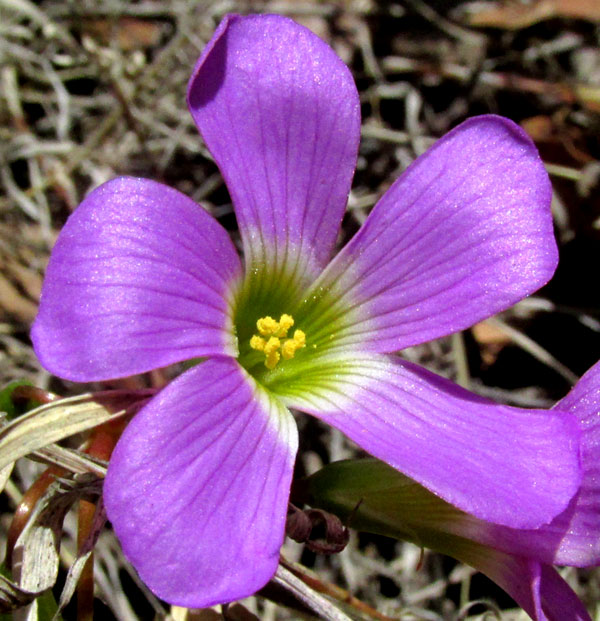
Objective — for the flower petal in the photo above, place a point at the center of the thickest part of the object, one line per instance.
(538, 589)
(558, 600)
(198, 485)
(279, 111)
(465, 232)
(505, 465)
(572, 537)
(580, 523)
(139, 278)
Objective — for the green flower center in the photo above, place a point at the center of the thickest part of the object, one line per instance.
(274, 319)
(289, 328)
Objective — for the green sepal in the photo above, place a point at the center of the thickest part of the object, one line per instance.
(391, 504)
(11, 408)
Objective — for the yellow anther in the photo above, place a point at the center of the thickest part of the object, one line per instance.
(267, 326)
(272, 347)
(272, 354)
(285, 323)
(291, 346)
(288, 349)
(258, 343)
(271, 359)
(300, 338)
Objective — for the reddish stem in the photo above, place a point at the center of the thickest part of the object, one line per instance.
(28, 502)
(101, 445)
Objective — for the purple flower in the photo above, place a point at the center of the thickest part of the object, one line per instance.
(522, 559)
(519, 560)
(142, 277)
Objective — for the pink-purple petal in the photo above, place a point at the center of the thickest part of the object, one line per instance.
(537, 588)
(140, 277)
(505, 465)
(279, 111)
(465, 232)
(572, 538)
(557, 598)
(198, 485)
(580, 524)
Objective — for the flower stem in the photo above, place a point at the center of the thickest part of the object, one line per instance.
(332, 590)
(85, 586)
(101, 445)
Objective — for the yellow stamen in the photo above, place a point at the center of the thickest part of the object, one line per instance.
(267, 326)
(273, 349)
(258, 343)
(272, 354)
(273, 344)
(300, 338)
(285, 323)
(291, 346)
(271, 359)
